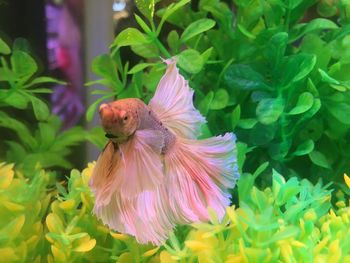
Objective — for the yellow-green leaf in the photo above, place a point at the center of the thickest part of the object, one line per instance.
(150, 252)
(54, 223)
(125, 258)
(58, 254)
(86, 246)
(347, 180)
(6, 175)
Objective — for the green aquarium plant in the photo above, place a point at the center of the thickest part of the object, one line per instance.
(274, 72)
(23, 210)
(290, 221)
(43, 144)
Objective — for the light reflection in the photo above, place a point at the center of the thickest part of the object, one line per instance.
(118, 6)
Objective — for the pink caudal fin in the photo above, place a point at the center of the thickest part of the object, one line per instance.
(199, 175)
(173, 103)
(143, 216)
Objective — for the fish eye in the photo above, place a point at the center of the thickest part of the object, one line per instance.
(125, 118)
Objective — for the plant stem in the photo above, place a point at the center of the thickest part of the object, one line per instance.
(287, 21)
(161, 47)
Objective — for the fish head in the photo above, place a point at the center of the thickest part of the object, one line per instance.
(119, 119)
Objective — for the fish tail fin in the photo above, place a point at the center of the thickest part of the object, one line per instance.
(143, 216)
(199, 174)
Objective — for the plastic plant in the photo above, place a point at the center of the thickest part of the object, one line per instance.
(274, 72)
(43, 144)
(23, 210)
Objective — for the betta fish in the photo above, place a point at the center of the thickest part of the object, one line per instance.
(154, 173)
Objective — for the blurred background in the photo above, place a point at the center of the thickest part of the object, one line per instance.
(65, 36)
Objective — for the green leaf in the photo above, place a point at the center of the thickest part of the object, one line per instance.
(269, 110)
(247, 123)
(245, 32)
(191, 61)
(284, 234)
(312, 88)
(262, 134)
(206, 54)
(259, 198)
(243, 77)
(235, 116)
(313, 25)
(23, 64)
(340, 111)
(41, 80)
(96, 136)
(139, 67)
(291, 4)
(142, 24)
(146, 50)
(4, 48)
(277, 182)
(311, 112)
(128, 37)
(304, 103)
(104, 66)
(173, 41)
(278, 151)
(16, 152)
(204, 104)
(327, 9)
(304, 148)
(19, 128)
(328, 79)
(16, 100)
(260, 169)
(245, 185)
(220, 100)
(242, 151)
(103, 82)
(276, 48)
(68, 138)
(297, 67)
(306, 65)
(171, 9)
(152, 78)
(197, 27)
(42, 90)
(47, 135)
(41, 110)
(21, 44)
(319, 159)
(146, 7)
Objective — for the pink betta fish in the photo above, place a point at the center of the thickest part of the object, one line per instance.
(153, 172)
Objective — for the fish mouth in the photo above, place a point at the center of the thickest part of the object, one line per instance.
(116, 138)
(111, 136)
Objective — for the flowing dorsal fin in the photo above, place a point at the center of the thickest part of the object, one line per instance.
(173, 104)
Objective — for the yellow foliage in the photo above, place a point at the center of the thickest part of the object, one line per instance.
(6, 175)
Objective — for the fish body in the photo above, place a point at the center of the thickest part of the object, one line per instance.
(154, 173)
(121, 118)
